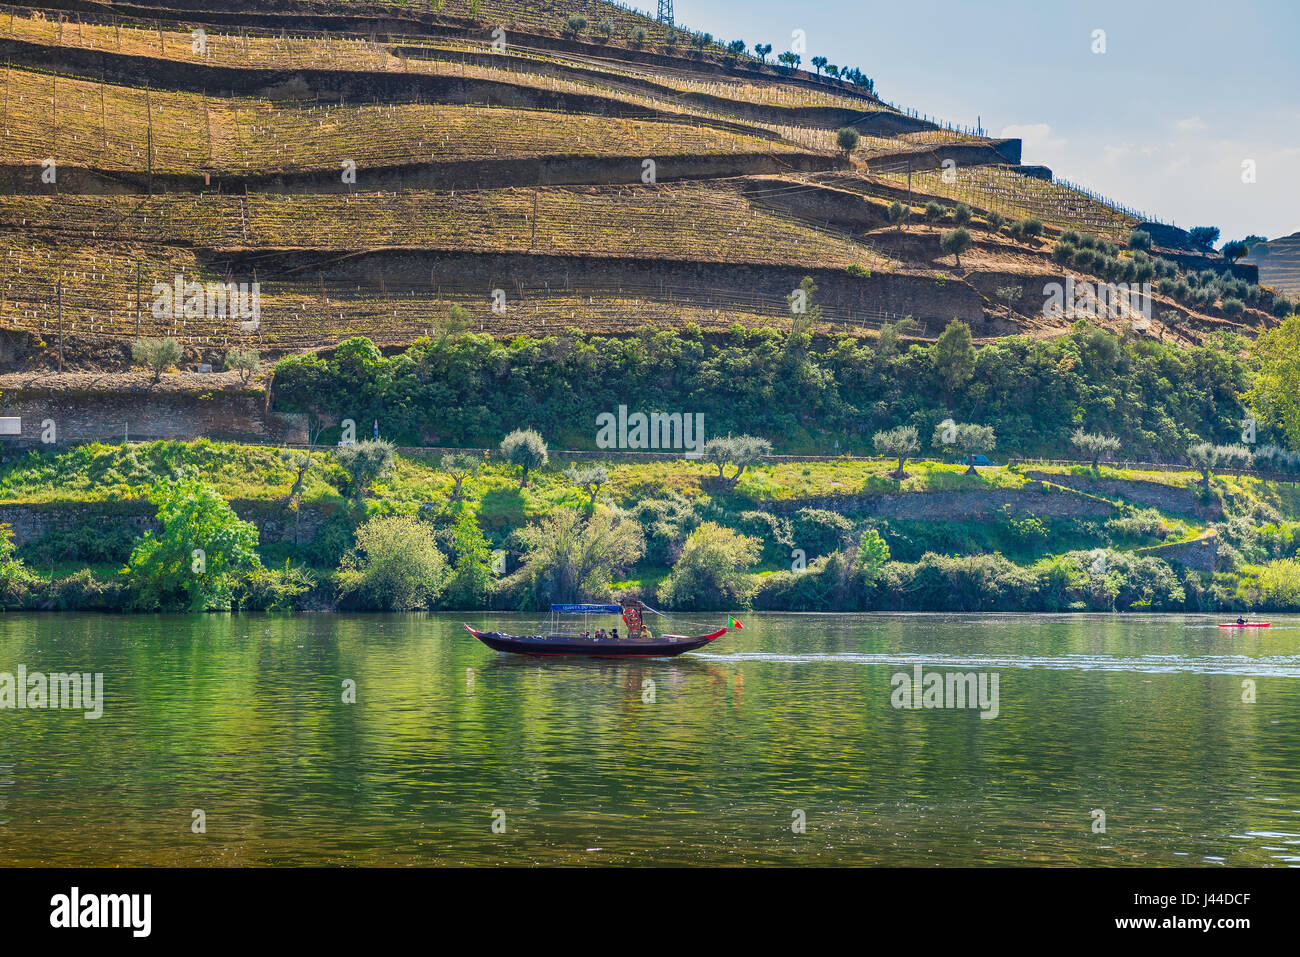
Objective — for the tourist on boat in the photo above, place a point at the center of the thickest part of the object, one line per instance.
(1241, 620)
(613, 633)
(600, 634)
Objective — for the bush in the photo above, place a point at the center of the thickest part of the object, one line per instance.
(961, 214)
(395, 566)
(819, 531)
(935, 211)
(1139, 239)
(712, 572)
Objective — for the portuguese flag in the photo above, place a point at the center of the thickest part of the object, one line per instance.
(733, 623)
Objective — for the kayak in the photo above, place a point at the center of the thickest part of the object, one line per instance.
(1249, 624)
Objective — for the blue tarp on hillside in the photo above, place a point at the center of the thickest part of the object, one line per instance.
(587, 609)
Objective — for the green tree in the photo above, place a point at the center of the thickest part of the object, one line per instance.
(1139, 239)
(569, 558)
(818, 63)
(394, 566)
(589, 478)
(713, 570)
(961, 214)
(203, 545)
(873, 554)
(899, 443)
(1275, 393)
(953, 355)
(526, 450)
(969, 440)
(460, 466)
(471, 570)
(763, 49)
(847, 139)
(244, 361)
(740, 451)
(1204, 237)
(1094, 444)
(156, 355)
(956, 242)
(365, 463)
(935, 211)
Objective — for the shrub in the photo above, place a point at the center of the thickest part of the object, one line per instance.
(569, 558)
(395, 566)
(1139, 239)
(935, 211)
(203, 546)
(712, 572)
(961, 214)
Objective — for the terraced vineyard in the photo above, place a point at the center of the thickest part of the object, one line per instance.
(687, 221)
(1015, 195)
(606, 177)
(1279, 263)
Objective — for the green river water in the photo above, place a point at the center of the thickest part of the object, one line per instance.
(779, 744)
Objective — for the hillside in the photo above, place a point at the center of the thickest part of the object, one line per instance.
(369, 167)
(1278, 262)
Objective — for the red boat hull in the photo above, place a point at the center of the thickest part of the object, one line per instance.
(1249, 624)
(574, 646)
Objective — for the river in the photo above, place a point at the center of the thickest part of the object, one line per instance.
(231, 740)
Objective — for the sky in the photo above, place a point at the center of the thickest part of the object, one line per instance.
(1186, 101)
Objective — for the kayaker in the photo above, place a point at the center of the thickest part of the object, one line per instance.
(1240, 620)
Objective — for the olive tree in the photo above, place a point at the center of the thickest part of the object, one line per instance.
(460, 466)
(589, 478)
(969, 440)
(156, 355)
(365, 463)
(1095, 444)
(526, 450)
(740, 451)
(1206, 457)
(956, 242)
(898, 443)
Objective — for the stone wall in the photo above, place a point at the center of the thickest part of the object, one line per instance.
(1201, 554)
(980, 505)
(112, 416)
(274, 522)
(1167, 498)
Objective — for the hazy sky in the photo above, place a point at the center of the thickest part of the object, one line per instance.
(1162, 121)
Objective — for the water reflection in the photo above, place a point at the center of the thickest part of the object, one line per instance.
(699, 759)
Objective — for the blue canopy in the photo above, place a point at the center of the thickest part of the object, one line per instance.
(587, 609)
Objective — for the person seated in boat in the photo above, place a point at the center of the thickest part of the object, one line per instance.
(613, 633)
(586, 634)
(600, 634)
(1241, 620)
